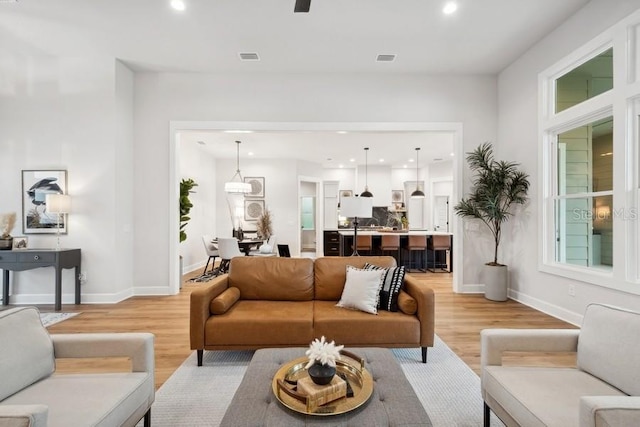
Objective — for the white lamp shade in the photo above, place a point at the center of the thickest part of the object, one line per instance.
(237, 187)
(58, 203)
(361, 207)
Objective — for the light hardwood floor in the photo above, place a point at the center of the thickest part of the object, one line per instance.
(459, 320)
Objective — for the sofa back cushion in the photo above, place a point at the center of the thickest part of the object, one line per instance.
(272, 278)
(608, 346)
(330, 273)
(26, 350)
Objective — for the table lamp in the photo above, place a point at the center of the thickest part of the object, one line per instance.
(59, 204)
(354, 207)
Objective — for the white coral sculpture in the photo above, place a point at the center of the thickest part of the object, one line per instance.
(7, 221)
(324, 352)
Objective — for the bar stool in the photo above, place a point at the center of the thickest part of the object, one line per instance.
(363, 243)
(418, 244)
(439, 243)
(391, 242)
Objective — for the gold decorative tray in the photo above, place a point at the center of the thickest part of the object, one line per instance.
(350, 365)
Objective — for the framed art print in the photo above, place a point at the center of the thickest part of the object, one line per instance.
(253, 209)
(257, 186)
(397, 196)
(36, 184)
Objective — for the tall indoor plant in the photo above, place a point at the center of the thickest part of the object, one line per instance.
(186, 185)
(497, 186)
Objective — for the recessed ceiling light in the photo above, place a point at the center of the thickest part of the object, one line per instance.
(341, 132)
(250, 153)
(178, 5)
(449, 7)
(381, 160)
(451, 154)
(411, 160)
(352, 160)
(404, 166)
(340, 165)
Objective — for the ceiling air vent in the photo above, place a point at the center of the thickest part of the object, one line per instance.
(385, 58)
(249, 56)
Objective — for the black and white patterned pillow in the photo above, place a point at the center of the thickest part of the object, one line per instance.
(391, 284)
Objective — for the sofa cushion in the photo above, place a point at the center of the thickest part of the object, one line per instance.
(272, 278)
(407, 304)
(224, 301)
(26, 352)
(540, 396)
(392, 280)
(353, 327)
(361, 290)
(608, 346)
(330, 273)
(251, 324)
(115, 399)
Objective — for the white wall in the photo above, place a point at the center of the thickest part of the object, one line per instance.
(199, 165)
(161, 98)
(73, 114)
(518, 141)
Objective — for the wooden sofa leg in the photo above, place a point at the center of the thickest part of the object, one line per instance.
(487, 415)
(424, 354)
(147, 418)
(200, 353)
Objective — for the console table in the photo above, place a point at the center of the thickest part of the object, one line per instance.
(28, 259)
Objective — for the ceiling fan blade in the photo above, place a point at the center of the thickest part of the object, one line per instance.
(302, 6)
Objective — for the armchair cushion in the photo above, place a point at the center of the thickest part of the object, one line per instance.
(26, 354)
(608, 347)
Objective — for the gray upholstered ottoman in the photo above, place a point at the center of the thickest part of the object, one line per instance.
(393, 402)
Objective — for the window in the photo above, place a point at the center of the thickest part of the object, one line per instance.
(585, 81)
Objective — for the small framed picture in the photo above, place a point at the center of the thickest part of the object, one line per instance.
(253, 209)
(346, 193)
(20, 242)
(397, 196)
(257, 186)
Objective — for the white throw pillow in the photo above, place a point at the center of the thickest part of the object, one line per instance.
(361, 290)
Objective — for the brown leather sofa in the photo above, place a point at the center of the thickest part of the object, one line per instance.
(287, 302)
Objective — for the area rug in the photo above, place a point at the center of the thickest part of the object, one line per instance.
(49, 319)
(199, 396)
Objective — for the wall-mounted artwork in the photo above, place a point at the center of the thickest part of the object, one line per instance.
(257, 186)
(36, 184)
(253, 209)
(345, 193)
(397, 196)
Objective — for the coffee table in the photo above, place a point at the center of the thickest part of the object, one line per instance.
(393, 401)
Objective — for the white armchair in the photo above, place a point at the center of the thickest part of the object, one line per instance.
(602, 390)
(32, 394)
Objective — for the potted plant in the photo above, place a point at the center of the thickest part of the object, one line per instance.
(322, 360)
(497, 187)
(7, 222)
(185, 205)
(264, 228)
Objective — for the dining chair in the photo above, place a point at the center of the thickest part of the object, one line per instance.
(212, 251)
(439, 243)
(283, 251)
(228, 249)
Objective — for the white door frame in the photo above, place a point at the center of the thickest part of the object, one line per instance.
(174, 167)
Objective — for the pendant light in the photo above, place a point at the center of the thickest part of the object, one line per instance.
(366, 192)
(417, 193)
(238, 186)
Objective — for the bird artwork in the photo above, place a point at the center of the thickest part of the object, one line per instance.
(37, 194)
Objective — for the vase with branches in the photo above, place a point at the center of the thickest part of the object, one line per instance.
(7, 222)
(264, 225)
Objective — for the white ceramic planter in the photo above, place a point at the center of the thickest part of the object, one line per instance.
(496, 282)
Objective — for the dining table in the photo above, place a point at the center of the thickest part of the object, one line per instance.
(245, 245)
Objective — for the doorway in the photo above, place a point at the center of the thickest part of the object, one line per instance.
(308, 190)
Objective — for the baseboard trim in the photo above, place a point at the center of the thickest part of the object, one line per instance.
(550, 309)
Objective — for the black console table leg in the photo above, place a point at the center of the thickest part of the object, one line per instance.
(58, 296)
(5, 287)
(78, 273)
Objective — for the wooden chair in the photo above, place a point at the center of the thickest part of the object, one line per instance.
(211, 250)
(363, 243)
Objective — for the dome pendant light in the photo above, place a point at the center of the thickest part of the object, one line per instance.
(418, 193)
(238, 186)
(366, 192)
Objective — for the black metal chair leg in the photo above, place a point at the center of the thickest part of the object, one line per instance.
(424, 354)
(147, 418)
(487, 415)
